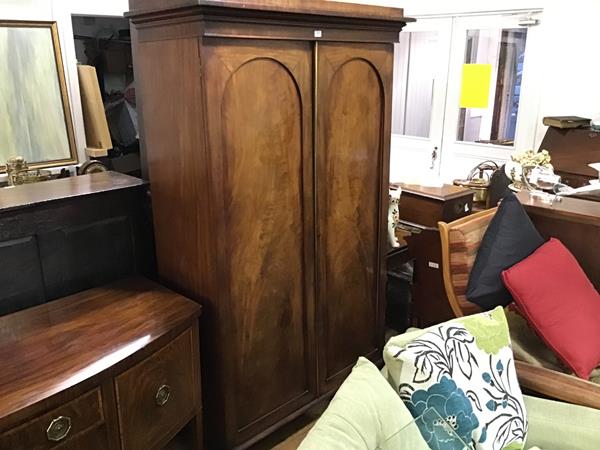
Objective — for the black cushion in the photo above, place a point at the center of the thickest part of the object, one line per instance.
(498, 189)
(509, 239)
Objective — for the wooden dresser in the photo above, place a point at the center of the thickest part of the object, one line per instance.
(111, 368)
(266, 126)
(420, 210)
(63, 236)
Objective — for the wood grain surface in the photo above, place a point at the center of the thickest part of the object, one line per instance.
(311, 7)
(575, 222)
(65, 236)
(86, 414)
(145, 423)
(52, 347)
(28, 195)
(236, 166)
(572, 149)
(260, 141)
(352, 90)
(560, 386)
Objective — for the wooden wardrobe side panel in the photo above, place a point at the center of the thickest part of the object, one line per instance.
(172, 116)
(259, 106)
(353, 103)
(169, 87)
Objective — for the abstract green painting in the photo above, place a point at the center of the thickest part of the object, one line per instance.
(35, 119)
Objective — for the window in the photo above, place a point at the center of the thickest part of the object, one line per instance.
(504, 50)
(414, 78)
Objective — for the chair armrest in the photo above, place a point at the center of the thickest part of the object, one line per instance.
(558, 385)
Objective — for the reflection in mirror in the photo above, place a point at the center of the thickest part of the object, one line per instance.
(35, 120)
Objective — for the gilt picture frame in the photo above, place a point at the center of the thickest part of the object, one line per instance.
(35, 114)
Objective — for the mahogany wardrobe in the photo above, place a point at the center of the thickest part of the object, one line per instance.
(266, 129)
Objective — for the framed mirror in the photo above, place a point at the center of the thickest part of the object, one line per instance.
(35, 118)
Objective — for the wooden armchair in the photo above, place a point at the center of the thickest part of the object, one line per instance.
(460, 242)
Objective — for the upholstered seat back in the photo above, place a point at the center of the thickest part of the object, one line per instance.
(460, 242)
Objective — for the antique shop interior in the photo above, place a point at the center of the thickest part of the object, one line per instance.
(299, 224)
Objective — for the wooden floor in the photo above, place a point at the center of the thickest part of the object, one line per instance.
(291, 435)
(293, 441)
(287, 438)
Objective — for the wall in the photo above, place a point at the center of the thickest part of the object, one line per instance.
(571, 80)
(61, 11)
(569, 73)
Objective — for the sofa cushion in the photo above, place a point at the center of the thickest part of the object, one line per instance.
(464, 371)
(509, 239)
(558, 425)
(365, 414)
(560, 303)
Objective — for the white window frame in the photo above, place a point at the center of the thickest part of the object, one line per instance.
(413, 153)
(529, 103)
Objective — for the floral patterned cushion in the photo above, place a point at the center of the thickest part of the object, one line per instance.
(462, 370)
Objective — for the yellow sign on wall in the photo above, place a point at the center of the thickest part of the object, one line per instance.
(475, 89)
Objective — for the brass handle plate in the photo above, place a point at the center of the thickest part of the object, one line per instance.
(58, 429)
(163, 394)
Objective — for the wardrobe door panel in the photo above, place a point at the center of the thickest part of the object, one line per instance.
(259, 124)
(352, 153)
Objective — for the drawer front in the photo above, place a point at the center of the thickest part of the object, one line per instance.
(69, 426)
(157, 396)
(457, 207)
(420, 210)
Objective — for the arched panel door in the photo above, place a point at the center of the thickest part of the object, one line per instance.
(352, 154)
(259, 97)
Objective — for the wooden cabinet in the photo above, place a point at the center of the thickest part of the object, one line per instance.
(420, 209)
(64, 236)
(112, 368)
(352, 153)
(267, 132)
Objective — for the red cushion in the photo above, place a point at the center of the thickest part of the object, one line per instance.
(560, 303)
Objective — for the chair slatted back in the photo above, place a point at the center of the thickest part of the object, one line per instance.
(460, 243)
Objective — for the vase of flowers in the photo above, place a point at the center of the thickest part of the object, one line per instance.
(531, 169)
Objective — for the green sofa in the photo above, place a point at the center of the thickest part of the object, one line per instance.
(367, 414)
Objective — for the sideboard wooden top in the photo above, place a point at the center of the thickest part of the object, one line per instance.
(442, 193)
(308, 7)
(573, 209)
(47, 191)
(52, 347)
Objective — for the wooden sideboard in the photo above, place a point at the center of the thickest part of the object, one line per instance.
(63, 236)
(575, 222)
(111, 368)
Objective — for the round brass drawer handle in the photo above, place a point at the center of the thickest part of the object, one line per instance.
(58, 429)
(163, 394)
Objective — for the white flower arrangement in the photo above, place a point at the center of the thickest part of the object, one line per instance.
(532, 158)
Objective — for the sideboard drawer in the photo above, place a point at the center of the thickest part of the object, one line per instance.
(157, 396)
(63, 426)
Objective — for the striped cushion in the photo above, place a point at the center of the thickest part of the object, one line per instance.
(464, 241)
